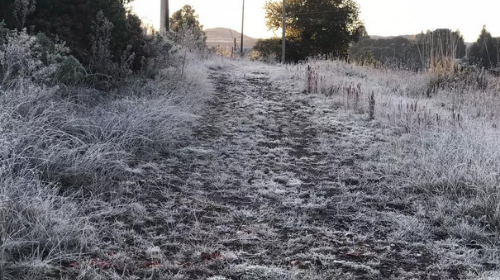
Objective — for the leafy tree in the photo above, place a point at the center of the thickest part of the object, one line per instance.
(317, 27)
(485, 51)
(187, 29)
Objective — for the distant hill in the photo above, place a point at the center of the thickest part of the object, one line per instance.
(224, 37)
(376, 37)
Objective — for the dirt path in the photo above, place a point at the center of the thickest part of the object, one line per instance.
(281, 186)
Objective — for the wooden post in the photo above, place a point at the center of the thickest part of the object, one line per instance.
(283, 43)
(242, 24)
(234, 48)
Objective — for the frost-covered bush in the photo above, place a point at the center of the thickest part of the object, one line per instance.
(70, 71)
(187, 30)
(164, 54)
(21, 60)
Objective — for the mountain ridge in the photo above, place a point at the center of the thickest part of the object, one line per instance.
(224, 37)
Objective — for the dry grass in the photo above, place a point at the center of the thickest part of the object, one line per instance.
(70, 158)
(445, 149)
(117, 186)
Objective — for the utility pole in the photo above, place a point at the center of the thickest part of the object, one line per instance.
(283, 43)
(242, 24)
(167, 18)
(164, 17)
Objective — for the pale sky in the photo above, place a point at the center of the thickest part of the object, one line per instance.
(381, 17)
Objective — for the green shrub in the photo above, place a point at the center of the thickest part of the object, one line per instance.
(21, 59)
(72, 22)
(70, 71)
(270, 49)
(38, 59)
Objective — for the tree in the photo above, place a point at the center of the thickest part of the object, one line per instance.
(73, 22)
(423, 51)
(440, 48)
(398, 52)
(317, 27)
(187, 29)
(485, 51)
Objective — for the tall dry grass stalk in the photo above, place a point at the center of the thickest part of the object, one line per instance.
(446, 146)
(438, 50)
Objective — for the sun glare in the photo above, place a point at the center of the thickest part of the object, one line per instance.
(381, 17)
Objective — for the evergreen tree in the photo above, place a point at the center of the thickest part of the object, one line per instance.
(485, 51)
(187, 29)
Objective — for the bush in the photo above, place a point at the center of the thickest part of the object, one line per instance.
(270, 49)
(74, 23)
(21, 59)
(163, 53)
(37, 59)
(70, 72)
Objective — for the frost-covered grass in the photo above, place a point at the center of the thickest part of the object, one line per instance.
(444, 149)
(71, 159)
(275, 184)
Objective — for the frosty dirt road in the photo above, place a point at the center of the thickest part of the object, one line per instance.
(281, 185)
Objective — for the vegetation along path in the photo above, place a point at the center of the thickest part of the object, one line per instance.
(281, 185)
(272, 192)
